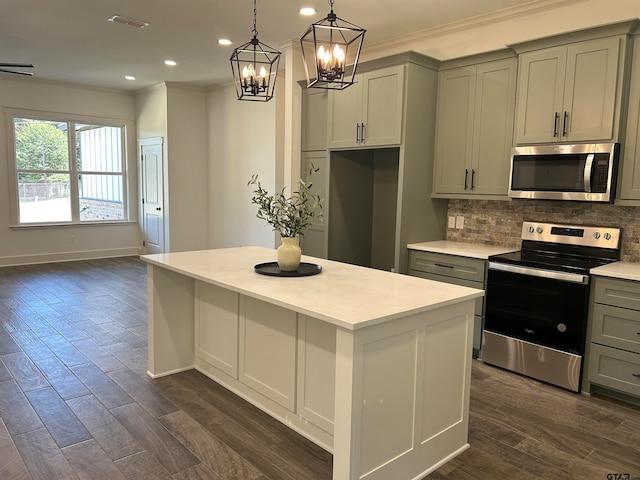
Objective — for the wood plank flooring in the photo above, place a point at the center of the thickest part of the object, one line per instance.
(75, 402)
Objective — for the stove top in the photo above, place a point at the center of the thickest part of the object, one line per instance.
(564, 263)
(575, 249)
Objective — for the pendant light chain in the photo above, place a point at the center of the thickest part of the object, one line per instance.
(255, 12)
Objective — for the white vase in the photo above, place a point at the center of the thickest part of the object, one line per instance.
(289, 254)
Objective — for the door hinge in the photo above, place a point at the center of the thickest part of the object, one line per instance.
(144, 244)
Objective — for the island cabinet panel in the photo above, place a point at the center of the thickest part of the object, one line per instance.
(396, 370)
(217, 327)
(316, 372)
(268, 350)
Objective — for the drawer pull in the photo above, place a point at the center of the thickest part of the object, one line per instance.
(637, 375)
(451, 266)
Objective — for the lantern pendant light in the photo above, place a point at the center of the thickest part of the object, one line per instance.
(255, 66)
(330, 52)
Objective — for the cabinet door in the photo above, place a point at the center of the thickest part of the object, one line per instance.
(217, 327)
(454, 130)
(540, 92)
(268, 341)
(630, 165)
(590, 90)
(493, 127)
(345, 107)
(382, 107)
(316, 372)
(314, 119)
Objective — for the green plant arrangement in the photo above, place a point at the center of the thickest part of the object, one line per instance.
(290, 216)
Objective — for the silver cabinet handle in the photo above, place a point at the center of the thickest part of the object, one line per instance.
(357, 133)
(473, 177)
(466, 173)
(564, 124)
(555, 125)
(362, 138)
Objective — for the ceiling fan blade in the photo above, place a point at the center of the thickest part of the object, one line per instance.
(16, 65)
(3, 70)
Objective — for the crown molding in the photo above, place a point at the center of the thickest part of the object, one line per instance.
(408, 41)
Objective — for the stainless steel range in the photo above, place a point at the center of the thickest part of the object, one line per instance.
(537, 300)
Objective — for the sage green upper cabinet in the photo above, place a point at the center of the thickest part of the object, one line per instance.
(474, 128)
(569, 93)
(314, 119)
(369, 112)
(629, 174)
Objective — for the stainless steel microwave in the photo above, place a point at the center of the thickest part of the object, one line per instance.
(584, 172)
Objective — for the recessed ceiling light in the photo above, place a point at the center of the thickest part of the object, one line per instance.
(307, 11)
(130, 77)
(171, 63)
(224, 41)
(132, 22)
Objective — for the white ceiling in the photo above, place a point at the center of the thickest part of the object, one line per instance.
(72, 41)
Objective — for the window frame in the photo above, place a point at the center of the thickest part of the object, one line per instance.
(71, 120)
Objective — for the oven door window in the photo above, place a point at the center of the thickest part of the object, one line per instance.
(539, 310)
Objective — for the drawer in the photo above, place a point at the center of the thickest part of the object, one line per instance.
(448, 265)
(455, 281)
(619, 293)
(615, 369)
(616, 327)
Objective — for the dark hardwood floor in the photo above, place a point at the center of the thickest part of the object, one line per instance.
(75, 402)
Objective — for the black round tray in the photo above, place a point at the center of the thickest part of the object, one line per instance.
(272, 269)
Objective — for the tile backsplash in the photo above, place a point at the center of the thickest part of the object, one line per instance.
(500, 222)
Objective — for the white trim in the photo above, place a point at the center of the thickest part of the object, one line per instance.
(68, 256)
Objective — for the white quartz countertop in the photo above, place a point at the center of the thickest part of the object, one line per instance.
(622, 270)
(461, 249)
(345, 295)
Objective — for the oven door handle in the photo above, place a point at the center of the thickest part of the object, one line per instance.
(537, 272)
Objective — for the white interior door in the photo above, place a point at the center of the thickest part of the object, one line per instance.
(152, 207)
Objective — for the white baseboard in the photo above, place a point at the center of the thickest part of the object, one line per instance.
(68, 256)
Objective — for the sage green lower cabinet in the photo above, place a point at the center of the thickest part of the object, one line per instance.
(614, 344)
(467, 272)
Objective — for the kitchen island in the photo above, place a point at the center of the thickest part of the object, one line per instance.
(370, 365)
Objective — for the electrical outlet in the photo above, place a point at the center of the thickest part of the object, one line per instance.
(452, 221)
(459, 222)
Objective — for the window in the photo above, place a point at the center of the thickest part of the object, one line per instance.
(68, 171)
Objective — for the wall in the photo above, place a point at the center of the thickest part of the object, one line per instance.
(47, 244)
(188, 190)
(242, 140)
(500, 222)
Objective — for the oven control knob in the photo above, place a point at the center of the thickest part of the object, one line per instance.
(607, 236)
(562, 327)
(596, 235)
(539, 229)
(531, 229)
